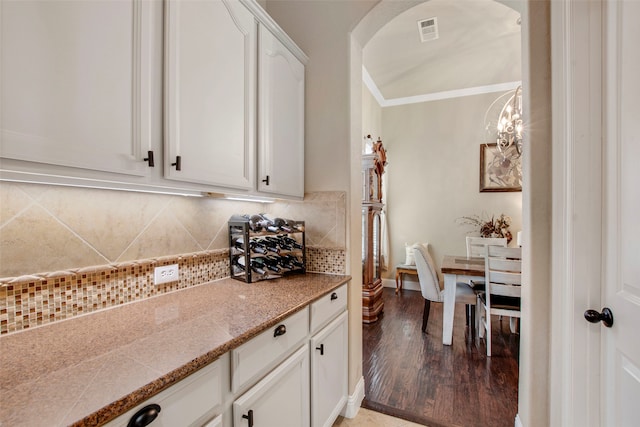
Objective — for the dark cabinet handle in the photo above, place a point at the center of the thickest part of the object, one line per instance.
(334, 296)
(605, 317)
(321, 348)
(280, 330)
(149, 159)
(144, 416)
(266, 180)
(178, 163)
(249, 417)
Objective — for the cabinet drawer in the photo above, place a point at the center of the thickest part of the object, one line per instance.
(191, 401)
(328, 307)
(261, 353)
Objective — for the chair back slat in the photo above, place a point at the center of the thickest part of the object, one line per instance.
(476, 245)
(505, 290)
(503, 271)
(504, 252)
(503, 276)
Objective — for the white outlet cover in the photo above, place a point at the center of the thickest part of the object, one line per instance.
(165, 274)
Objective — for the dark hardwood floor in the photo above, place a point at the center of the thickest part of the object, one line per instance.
(412, 375)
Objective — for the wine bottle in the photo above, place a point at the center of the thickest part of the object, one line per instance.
(268, 224)
(239, 244)
(268, 263)
(291, 242)
(293, 225)
(293, 260)
(285, 262)
(254, 266)
(255, 223)
(259, 247)
(277, 241)
(270, 245)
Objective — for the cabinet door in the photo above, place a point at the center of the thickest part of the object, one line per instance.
(75, 83)
(281, 109)
(329, 372)
(210, 89)
(280, 399)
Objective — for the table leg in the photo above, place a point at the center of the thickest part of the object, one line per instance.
(449, 305)
(397, 275)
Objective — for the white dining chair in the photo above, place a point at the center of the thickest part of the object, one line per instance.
(476, 245)
(503, 280)
(431, 289)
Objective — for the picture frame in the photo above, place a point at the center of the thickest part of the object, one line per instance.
(498, 172)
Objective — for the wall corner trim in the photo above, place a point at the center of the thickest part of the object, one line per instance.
(354, 401)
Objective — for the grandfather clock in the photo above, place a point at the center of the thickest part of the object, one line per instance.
(372, 169)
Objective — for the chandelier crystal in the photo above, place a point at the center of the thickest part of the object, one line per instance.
(507, 130)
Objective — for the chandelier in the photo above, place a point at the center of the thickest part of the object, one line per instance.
(507, 129)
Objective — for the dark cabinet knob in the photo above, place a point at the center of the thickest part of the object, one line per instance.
(149, 159)
(144, 416)
(280, 330)
(605, 317)
(178, 163)
(249, 417)
(266, 180)
(334, 296)
(321, 348)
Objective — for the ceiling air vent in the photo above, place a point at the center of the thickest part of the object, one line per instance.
(428, 29)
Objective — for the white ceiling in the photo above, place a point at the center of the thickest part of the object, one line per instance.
(478, 46)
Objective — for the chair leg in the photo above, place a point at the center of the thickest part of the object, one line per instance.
(468, 313)
(487, 316)
(425, 314)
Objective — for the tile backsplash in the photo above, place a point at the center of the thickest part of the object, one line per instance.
(67, 251)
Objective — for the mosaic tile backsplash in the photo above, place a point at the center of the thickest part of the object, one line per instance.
(62, 230)
(30, 301)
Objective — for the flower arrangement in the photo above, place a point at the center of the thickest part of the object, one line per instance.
(494, 227)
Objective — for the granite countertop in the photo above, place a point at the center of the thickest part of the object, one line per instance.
(89, 369)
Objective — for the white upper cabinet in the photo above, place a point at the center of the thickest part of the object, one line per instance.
(281, 118)
(89, 89)
(75, 84)
(210, 90)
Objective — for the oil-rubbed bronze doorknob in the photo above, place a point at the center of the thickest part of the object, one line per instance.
(605, 317)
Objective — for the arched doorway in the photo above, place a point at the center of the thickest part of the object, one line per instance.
(533, 405)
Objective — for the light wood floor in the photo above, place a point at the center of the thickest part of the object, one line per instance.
(368, 418)
(412, 375)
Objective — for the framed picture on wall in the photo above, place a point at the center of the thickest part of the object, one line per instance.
(499, 172)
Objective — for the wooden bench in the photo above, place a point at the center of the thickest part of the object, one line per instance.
(404, 269)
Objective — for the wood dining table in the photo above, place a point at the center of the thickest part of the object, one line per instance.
(456, 268)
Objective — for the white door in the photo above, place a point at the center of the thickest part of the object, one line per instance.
(621, 231)
(75, 85)
(595, 370)
(281, 399)
(281, 118)
(329, 372)
(210, 65)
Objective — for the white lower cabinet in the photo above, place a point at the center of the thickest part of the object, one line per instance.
(293, 374)
(281, 399)
(329, 372)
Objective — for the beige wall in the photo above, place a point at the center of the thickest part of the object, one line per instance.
(433, 151)
(371, 116)
(321, 29)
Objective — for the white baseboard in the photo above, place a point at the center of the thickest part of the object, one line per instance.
(354, 401)
(518, 423)
(406, 284)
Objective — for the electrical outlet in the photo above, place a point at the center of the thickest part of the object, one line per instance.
(165, 274)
